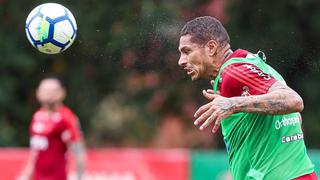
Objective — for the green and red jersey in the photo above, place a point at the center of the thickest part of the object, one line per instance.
(260, 146)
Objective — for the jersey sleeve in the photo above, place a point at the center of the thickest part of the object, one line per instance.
(244, 79)
(30, 125)
(37, 115)
(72, 131)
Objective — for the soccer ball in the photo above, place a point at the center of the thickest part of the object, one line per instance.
(51, 28)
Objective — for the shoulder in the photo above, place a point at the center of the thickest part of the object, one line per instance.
(241, 78)
(247, 70)
(67, 114)
(72, 127)
(66, 111)
(38, 115)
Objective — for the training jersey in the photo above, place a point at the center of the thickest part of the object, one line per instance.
(259, 146)
(49, 137)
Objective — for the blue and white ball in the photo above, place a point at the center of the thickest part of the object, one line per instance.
(51, 28)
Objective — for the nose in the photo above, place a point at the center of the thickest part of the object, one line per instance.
(182, 60)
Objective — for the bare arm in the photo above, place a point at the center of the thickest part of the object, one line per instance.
(78, 150)
(29, 168)
(280, 99)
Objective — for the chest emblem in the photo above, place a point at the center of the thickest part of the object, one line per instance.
(245, 91)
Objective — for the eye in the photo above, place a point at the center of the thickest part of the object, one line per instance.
(186, 51)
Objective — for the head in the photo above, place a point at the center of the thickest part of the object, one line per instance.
(203, 45)
(50, 92)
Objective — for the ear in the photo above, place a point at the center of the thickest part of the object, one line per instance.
(212, 46)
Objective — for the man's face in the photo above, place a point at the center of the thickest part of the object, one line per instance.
(194, 58)
(50, 92)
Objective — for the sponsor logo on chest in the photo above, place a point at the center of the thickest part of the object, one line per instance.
(295, 137)
(245, 91)
(287, 121)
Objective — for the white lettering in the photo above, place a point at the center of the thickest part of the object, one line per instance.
(258, 72)
(295, 137)
(290, 121)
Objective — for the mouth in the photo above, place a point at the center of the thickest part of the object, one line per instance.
(189, 71)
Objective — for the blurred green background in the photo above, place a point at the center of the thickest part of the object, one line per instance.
(122, 75)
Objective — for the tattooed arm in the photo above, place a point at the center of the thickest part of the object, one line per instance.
(280, 99)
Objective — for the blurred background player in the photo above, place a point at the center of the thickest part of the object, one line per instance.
(53, 130)
(255, 107)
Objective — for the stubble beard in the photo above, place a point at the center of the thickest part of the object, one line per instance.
(195, 77)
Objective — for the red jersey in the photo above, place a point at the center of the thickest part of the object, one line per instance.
(49, 137)
(242, 79)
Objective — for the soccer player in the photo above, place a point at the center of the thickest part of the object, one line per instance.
(54, 129)
(258, 112)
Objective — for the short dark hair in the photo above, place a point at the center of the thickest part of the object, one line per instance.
(205, 28)
(55, 77)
